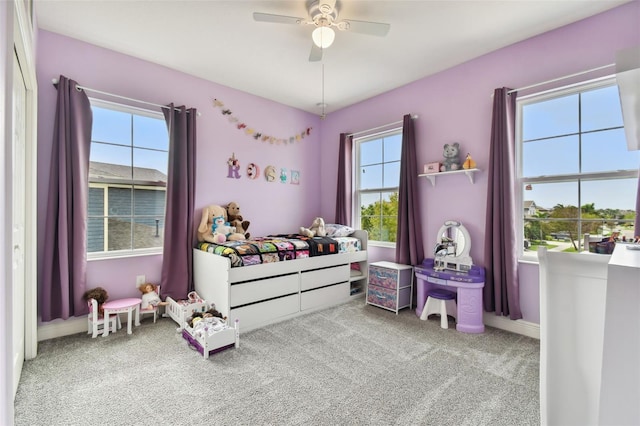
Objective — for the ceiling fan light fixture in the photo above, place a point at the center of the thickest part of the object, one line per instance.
(323, 37)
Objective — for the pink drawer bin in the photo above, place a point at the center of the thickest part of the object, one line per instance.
(386, 298)
(383, 277)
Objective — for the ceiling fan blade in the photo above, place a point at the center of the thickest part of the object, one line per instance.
(364, 27)
(316, 53)
(278, 19)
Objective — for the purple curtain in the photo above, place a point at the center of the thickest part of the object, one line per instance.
(343, 192)
(179, 230)
(64, 262)
(501, 290)
(409, 250)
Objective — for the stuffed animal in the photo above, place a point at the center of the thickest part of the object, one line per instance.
(235, 219)
(316, 229)
(150, 297)
(451, 157)
(222, 228)
(205, 229)
(469, 163)
(99, 294)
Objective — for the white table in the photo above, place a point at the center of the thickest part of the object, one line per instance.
(121, 306)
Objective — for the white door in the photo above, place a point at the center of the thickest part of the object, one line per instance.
(18, 219)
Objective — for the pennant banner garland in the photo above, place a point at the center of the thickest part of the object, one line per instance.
(255, 134)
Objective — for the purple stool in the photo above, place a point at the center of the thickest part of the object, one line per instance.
(440, 301)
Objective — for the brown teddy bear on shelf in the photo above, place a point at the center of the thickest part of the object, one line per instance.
(99, 294)
(235, 219)
(206, 231)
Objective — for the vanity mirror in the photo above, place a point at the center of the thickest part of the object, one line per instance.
(452, 248)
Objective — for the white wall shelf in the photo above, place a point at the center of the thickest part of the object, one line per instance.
(432, 176)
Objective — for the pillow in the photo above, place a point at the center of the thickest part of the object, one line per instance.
(335, 230)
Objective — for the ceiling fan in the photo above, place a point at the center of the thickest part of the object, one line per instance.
(323, 14)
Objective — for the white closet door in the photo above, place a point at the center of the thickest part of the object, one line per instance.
(18, 219)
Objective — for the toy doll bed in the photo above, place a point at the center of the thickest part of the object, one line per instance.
(211, 341)
(265, 280)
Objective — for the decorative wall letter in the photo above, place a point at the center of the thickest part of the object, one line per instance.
(270, 173)
(253, 171)
(234, 166)
(295, 177)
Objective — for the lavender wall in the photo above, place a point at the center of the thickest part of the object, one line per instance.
(455, 106)
(261, 201)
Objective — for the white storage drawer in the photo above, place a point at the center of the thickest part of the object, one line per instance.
(324, 296)
(262, 313)
(323, 277)
(241, 294)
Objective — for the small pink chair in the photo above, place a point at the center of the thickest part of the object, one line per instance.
(95, 321)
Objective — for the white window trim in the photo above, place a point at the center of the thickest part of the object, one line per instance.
(115, 254)
(356, 179)
(532, 257)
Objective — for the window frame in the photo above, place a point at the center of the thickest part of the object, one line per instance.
(357, 141)
(133, 185)
(576, 88)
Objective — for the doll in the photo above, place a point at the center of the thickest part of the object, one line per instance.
(150, 296)
(99, 294)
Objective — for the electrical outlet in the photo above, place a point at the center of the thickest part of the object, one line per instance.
(140, 279)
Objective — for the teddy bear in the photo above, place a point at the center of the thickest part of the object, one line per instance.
(205, 229)
(316, 229)
(235, 219)
(451, 157)
(150, 297)
(99, 294)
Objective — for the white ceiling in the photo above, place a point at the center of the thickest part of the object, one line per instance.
(219, 40)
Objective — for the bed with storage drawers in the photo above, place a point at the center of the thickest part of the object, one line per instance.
(258, 294)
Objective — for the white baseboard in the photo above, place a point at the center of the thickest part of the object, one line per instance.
(59, 328)
(525, 328)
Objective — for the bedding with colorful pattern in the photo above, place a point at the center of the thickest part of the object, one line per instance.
(278, 248)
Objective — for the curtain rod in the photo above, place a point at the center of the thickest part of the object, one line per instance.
(561, 78)
(413, 116)
(78, 87)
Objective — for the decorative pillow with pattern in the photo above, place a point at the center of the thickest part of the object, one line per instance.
(335, 230)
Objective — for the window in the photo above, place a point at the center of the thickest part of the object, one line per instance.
(575, 173)
(127, 181)
(377, 181)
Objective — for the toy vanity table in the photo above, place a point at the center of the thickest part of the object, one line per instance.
(453, 270)
(468, 286)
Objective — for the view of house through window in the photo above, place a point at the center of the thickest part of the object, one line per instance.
(576, 174)
(127, 180)
(377, 181)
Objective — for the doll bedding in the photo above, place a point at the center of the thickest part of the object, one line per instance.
(278, 248)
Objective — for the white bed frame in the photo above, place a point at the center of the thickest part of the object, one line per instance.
(259, 295)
